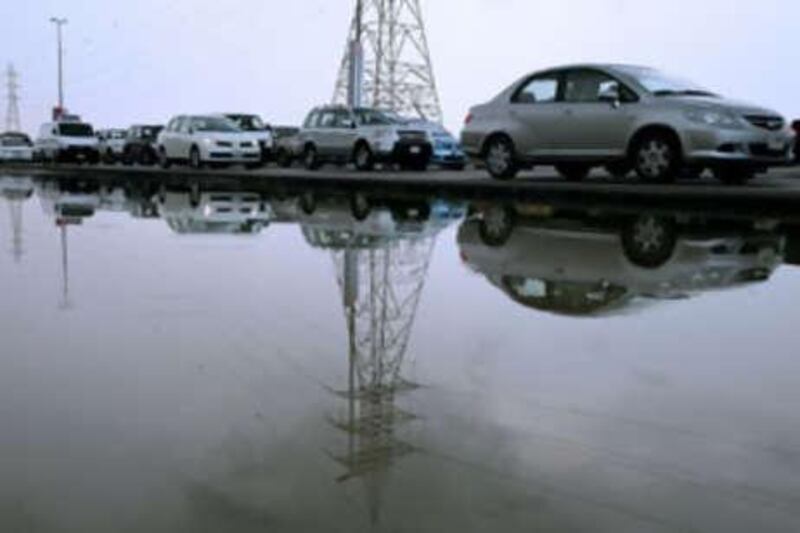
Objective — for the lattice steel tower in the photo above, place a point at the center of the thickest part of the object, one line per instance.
(397, 68)
(12, 112)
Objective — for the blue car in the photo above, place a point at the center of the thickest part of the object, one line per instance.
(447, 152)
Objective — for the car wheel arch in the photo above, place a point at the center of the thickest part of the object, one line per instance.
(654, 128)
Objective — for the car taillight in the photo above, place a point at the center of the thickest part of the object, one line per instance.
(468, 118)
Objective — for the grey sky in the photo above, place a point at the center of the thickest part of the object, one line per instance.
(143, 61)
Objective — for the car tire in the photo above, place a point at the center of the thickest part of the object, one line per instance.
(500, 158)
(308, 203)
(496, 225)
(363, 158)
(619, 170)
(195, 159)
(733, 176)
(311, 159)
(649, 241)
(283, 158)
(657, 157)
(146, 157)
(573, 171)
(360, 206)
(163, 160)
(108, 157)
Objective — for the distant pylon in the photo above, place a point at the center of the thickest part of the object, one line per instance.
(398, 73)
(12, 113)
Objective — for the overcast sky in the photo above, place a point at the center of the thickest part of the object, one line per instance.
(145, 60)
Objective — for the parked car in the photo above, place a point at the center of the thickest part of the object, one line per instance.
(140, 145)
(627, 118)
(67, 141)
(111, 144)
(447, 151)
(362, 136)
(287, 145)
(259, 131)
(796, 128)
(206, 140)
(15, 146)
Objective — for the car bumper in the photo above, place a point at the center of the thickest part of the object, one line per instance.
(223, 155)
(79, 152)
(448, 158)
(16, 155)
(407, 151)
(739, 147)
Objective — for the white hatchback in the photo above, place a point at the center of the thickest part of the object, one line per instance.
(206, 140)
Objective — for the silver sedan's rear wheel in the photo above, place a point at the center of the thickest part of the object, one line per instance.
(649, 241)
(657, 158)
(500, 158)
(497, 225)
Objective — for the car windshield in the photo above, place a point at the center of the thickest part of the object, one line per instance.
(116, 134)
(75, 130)
(661, 84)
(151, 132)
(15, 140)
(248, 122)
(373, 117)
(214, 124)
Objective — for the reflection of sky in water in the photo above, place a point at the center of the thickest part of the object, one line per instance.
(201, 383)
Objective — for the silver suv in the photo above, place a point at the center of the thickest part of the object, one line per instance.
(362, 136)
(625, 118)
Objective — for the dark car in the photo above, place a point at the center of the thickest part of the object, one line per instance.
(796, 128)
(140, 145)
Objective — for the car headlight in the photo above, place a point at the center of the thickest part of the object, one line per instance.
(716, 119)
(208, 142)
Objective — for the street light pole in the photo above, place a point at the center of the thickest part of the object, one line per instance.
(59, 22)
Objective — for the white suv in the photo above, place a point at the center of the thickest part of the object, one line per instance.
(111, 144)
(206, 140)
(67, 141)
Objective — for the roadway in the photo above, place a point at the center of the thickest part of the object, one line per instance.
(776, 192)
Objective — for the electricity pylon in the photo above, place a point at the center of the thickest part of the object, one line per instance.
(397, 67)
(12, 94)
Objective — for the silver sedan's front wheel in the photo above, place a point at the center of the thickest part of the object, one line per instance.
(657, 158)
(500, 158)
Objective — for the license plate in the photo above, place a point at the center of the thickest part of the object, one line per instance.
(415, 149)
(776, 144)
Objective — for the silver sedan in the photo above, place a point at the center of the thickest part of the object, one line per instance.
(625, 118)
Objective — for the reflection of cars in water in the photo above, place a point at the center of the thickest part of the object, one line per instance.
(69, 201)
(625, 117)
(16, 188)
(337, 221)
(585, 265)
(15, 147)
(213, 212)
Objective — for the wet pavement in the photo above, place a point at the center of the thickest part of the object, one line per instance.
(189, 355)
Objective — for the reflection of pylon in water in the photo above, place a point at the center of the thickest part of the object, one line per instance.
(66, 302)
(15, 211)
(382, 289)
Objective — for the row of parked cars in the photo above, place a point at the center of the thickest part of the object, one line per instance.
(331, 134)
(576, 118)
